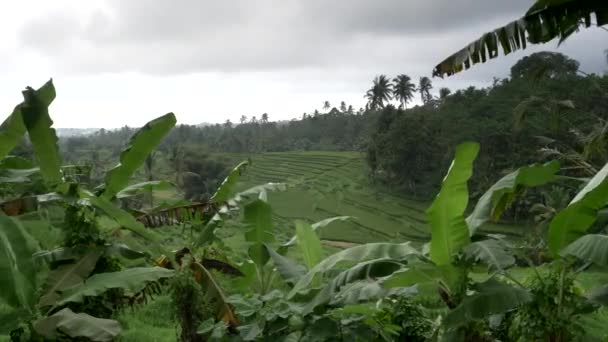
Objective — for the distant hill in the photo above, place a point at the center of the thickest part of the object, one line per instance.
(71, 132)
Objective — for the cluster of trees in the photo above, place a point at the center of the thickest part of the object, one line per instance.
(401, 89)
(547, 108)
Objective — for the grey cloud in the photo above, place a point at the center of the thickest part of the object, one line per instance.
(361, 36)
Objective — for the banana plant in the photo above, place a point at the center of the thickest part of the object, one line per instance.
(453, 251)
(544, 21)
(71, 278)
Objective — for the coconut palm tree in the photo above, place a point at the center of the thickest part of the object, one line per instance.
(326, 105)
(404, 89)
(243, 119)
(424, 88)
(380, 92)
(343, 107)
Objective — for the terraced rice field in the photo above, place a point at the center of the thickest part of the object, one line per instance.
(327, 184)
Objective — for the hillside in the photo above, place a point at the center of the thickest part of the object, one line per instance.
(327, 184)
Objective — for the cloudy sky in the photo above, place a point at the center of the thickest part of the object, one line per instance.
(124, 62)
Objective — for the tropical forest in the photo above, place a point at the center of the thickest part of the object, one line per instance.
(420, 213)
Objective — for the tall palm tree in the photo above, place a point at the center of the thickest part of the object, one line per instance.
(380, 92)
(404, 89)
(326, 105)
(243, 119)
(424, 88)
(343, 107)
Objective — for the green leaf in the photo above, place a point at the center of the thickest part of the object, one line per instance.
(144, 187)
(16, 162)
(491, 297)
(494, 202)
(590, 248)
(368, 290)
(224, 192)
(572, 222)
(141, 144)
(543, 22)
(388, 251)
(17, 270)
(215, 294)
(290, 270)
(125, 219)
(599, 295)
(206, 326)
(366, 270)
(490, 252)
(258, 253)
(67, 276)
(427, 278)
(320, 224)
(77, 325)
(250, 332)
(258, 217)
(12, 130)
(9, 320)
(36, 118)
(449, 230)
(309, 244)
(132, 280)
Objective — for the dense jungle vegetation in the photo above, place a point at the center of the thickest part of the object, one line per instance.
(479, 215)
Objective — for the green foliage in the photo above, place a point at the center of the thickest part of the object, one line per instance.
(490, 297)
(287, 268)
(309, 244)
(189, 303)
(36, 119)
(589, 248)
(17, 270)
(492, 253)
(411, 318)
(372, 251)
(495, 201)
(66, 276)
(225, 190)
(572, 222)
(448, 227)
(143, 187)
(132, 280)
(543, 22)
(552, 314)
(13, 128)
(139, 147)
(76, 325)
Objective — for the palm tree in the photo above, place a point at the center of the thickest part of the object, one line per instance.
(343, 107)
(326, 105)
(404, 89)
(424, 89)
(243, 119)
(380, 92)
(444, 92)
(264, 118)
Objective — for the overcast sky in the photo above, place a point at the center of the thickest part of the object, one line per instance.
(124, 62)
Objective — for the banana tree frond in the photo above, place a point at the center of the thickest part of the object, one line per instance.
(544, 21)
